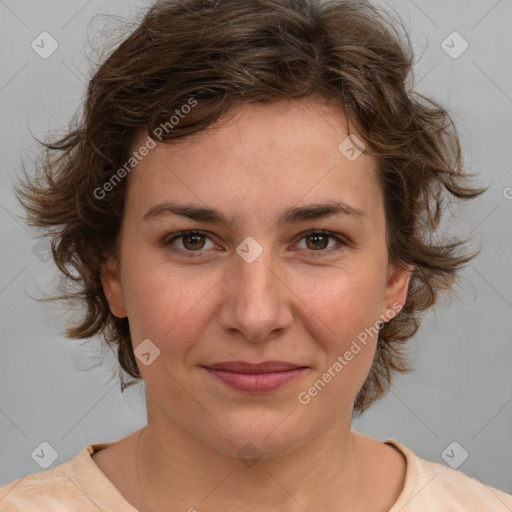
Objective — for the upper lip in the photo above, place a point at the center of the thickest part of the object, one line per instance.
(263, 367)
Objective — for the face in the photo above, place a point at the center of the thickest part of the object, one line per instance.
(269, 273)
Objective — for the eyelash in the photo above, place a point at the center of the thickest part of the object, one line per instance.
(193, 254)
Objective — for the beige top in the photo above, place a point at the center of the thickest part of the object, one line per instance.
(80, 486)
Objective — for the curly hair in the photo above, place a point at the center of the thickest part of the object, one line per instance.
(223, 54)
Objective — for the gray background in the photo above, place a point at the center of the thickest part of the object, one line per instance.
(67, 393)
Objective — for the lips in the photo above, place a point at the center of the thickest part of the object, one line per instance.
(264, 367)
(255, 377)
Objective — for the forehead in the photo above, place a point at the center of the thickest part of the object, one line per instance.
(265, 157)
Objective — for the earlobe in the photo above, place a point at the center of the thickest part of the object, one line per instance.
(112, 287)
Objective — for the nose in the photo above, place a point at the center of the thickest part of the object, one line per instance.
(257, 303)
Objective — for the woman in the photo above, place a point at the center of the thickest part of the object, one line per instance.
(249, 202)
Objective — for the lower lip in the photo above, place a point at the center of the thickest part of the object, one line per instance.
(256, 382)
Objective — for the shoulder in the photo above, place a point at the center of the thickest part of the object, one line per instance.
(430, 484)
(39, 491)
(58, 489)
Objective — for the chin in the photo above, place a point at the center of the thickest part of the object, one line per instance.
(258, 435)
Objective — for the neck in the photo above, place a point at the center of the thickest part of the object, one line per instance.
(173, 467)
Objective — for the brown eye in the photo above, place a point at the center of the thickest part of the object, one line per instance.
(193, 242)
(322, 242)
(318, 241)
(189, 243)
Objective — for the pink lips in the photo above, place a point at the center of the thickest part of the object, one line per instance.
(255, 377)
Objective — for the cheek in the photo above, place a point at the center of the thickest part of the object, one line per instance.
(172, 314)
(168, 305)
(346, 329)
(343, 303)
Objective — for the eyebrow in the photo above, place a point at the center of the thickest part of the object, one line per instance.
(289, 216)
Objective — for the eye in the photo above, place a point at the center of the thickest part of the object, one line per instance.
(189, 243)
(317, 241)
(192, 243)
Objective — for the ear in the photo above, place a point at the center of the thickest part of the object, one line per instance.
(112, 286)
(397, 286)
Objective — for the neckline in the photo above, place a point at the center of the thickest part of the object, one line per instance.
(411, 475)
(102, 492)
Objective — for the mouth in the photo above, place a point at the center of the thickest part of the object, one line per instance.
(255, 377)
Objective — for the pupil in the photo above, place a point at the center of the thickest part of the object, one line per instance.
(187, 238)
(318, 238)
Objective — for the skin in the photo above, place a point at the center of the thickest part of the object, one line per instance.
(294, 303)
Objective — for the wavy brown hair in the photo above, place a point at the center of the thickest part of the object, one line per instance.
(224, 54)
